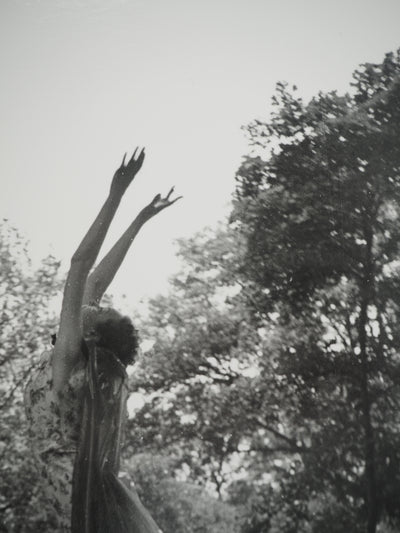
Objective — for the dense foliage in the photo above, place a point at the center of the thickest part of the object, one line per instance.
(26, 326)
(320, 219)
(274, 369)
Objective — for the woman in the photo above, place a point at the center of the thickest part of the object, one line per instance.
(76, 400)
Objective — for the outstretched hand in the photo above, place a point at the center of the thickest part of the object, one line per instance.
(159, 203)
(124, 175)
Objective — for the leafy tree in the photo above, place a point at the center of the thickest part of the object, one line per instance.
(178, 506)
(318, 204)
(194, 372)
(26, 325)
(213, 400)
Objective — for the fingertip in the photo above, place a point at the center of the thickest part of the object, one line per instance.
(176, 199)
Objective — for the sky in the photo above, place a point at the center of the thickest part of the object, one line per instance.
(84, 81)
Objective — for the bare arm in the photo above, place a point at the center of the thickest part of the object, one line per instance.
(104, 273)
(67, 347)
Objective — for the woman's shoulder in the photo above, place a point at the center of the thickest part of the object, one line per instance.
(40, 382)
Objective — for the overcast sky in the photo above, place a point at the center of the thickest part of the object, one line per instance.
(83, 81)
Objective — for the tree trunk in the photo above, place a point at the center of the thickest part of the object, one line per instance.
(370, 467)
(370, 475)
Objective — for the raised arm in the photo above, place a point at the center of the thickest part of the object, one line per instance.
(67, 347)
(104, 273)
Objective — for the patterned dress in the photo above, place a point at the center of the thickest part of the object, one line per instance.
(54, 425)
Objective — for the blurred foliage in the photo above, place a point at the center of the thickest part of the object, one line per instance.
(178, 506)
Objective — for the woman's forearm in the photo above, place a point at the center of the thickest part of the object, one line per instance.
(104, 273)
(90, 245)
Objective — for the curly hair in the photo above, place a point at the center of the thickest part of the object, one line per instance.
(119, 336)
(111, 331)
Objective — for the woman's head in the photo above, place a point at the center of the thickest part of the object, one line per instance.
(112, 331)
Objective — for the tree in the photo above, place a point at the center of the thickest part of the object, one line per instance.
(194, 374)
(213, 400)
(26, 326)
(318, 208)
(178, 506)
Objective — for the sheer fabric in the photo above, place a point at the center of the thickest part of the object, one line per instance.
(101, 502)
